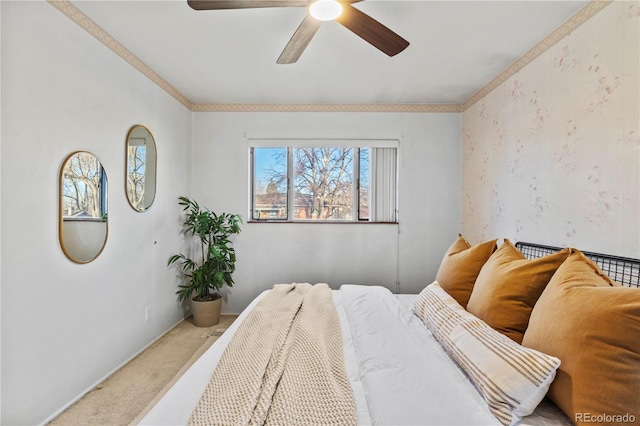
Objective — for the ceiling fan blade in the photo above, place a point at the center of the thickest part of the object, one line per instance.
(243, 4)
(299, 40)
(371, 30)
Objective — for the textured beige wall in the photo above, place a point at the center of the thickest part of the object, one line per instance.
(553, 154)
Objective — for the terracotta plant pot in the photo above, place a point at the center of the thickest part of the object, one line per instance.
(206, 313)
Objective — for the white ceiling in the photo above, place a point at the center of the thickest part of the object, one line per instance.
(229, 56)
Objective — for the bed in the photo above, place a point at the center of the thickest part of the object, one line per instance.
(406, 364)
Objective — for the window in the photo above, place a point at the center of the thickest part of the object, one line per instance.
(323, 183)
(270, 180)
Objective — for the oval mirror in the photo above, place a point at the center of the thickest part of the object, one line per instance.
(140, 180)
(83, 221)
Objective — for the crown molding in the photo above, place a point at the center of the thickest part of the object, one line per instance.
(326, 108)
(77, 16)
(579, 18)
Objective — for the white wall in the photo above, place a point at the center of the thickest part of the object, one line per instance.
(66, 326)
(429, 201)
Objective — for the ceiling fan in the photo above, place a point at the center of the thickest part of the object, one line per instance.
(353, 19)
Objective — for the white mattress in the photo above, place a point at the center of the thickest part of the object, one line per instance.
(399, 374)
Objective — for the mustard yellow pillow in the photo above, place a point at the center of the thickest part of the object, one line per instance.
(592, 324)
(508, 287)
(460, 267)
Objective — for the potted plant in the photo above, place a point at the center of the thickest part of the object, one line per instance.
(212, 263)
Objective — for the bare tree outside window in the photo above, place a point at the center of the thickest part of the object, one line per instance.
(364, 187)
(270, 183)
(323, 182)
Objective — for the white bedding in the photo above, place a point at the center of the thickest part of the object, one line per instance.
(399, 373)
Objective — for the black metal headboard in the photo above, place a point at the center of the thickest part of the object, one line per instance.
(624, 270)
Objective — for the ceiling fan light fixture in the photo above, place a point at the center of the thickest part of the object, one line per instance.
(325, 10)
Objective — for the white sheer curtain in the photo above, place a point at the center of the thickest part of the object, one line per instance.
(383, 169)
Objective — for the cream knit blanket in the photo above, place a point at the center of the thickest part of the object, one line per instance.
(283, 366)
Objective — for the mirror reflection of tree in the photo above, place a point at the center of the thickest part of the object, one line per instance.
(136, 161)
(83, 186)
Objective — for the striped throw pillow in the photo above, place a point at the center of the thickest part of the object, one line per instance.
(511, 378)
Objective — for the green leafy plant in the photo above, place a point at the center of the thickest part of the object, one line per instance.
(205, 276)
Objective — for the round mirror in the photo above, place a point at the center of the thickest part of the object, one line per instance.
(140, 181)
(83, 221)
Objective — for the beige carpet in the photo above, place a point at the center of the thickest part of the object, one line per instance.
(125, 396)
